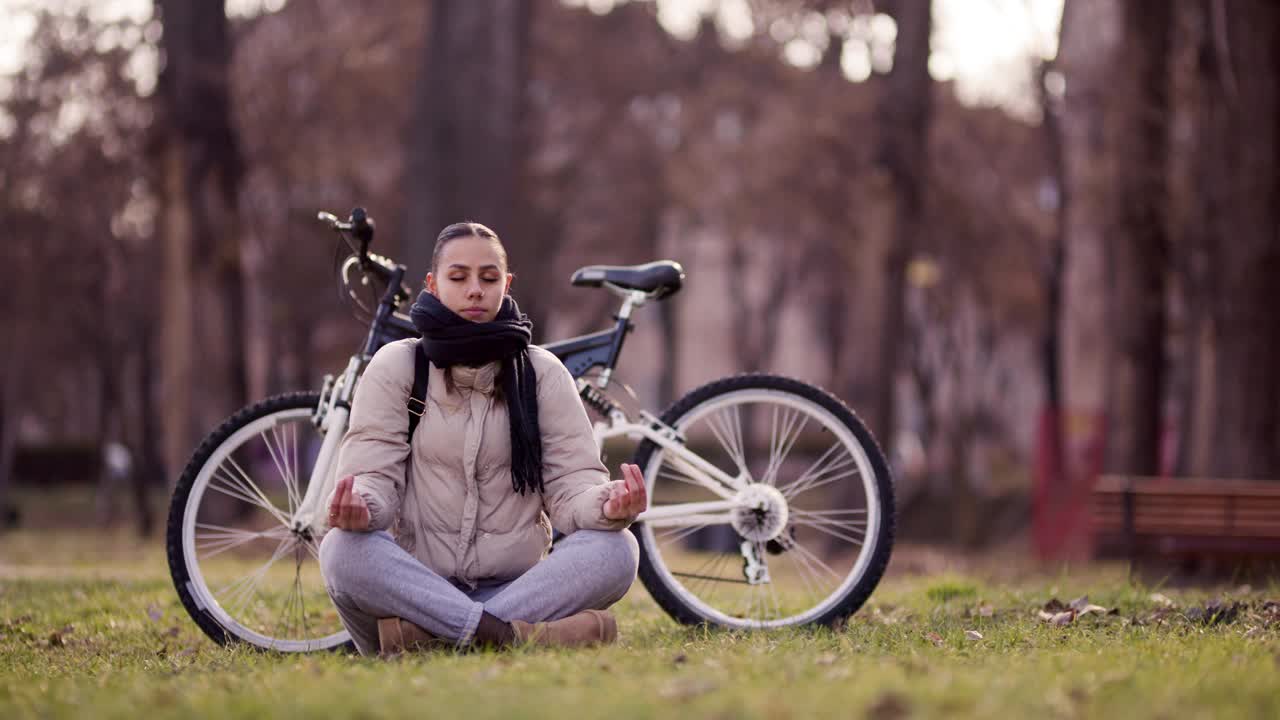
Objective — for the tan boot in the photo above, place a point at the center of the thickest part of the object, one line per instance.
(589, 627)
(396, 636)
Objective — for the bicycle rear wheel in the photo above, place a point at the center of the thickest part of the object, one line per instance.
(811, 525)
(245, 568)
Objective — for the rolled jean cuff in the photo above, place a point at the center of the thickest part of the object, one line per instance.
(470, 625)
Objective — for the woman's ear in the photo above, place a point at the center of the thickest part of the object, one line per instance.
(507, 289)
(430, 284)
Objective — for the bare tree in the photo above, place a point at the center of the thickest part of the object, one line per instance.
(466, 142)
(1138, 251)
(201, 166)
(905, 111)
(1241, 188)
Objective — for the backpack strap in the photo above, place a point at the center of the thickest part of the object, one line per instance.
(417, 402)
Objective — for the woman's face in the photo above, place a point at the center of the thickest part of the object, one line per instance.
(471, 278)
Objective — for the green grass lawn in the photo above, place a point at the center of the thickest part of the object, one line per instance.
(90, 626)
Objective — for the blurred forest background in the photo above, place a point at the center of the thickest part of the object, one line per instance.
(1018, 289)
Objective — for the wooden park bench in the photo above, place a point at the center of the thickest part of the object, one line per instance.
(1187, 520)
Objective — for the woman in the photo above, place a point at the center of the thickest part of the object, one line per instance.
(504, 452)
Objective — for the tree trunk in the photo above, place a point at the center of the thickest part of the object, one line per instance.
(904, 115)
(1138, 252)
(1241, 132)
(466, 147)
(1053, 272)
(177, 371)
(201, 171)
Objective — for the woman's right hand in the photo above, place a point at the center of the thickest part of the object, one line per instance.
(347, 509)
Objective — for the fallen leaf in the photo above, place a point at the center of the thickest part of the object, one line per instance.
(889, 706)
(56, 639)
(973, 634)
(1054, 606)
(1161, 599)
(1063, 618)
(154, 613)
(985, 611)
(1216, 612)
(1079, 603)
(934, 638)
(1087, 609)
(680, 659)
(173, 631)
(826, 658)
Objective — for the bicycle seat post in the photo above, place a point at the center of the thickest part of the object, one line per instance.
(631, 299)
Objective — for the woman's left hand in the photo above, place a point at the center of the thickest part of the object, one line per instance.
(627, 497)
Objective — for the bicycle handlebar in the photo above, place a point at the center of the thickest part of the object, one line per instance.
(361, 228)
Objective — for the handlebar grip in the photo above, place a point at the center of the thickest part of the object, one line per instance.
(362, 226)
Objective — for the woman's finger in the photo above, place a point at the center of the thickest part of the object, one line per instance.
(346, 513)
(637, 477)
(335, 504)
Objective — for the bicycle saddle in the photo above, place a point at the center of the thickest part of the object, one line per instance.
(660, 278)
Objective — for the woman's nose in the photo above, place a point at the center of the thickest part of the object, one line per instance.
(475, 291)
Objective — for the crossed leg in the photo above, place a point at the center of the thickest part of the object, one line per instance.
(369, 576)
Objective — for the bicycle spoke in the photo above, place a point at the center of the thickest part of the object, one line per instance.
(826, 513)
(782, 440)
(312, 548)
(294, 601)
(219, 539)
(680, 533)
(806, 552)
(806, 574)
(241, 591)
(264, 501)
(834, 530)
(729, 433)
(278, 452)
(295, 474)
(773, 595)
(231, 487)
(824, 470)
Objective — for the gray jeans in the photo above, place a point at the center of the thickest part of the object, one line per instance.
(369, 576)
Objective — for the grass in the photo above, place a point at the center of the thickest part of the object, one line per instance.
(90, 626)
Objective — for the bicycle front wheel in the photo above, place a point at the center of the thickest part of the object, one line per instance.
(245, 567)
(799, 528)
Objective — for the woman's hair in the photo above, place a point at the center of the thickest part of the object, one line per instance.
(461, 230)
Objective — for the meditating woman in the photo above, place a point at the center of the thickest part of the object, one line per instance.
(442, 538)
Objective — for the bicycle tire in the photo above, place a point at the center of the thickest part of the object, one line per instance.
(180, 563)
(660, 585)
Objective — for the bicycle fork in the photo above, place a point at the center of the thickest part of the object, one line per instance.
(331, 417)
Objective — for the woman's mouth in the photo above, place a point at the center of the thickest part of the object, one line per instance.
(473, 311)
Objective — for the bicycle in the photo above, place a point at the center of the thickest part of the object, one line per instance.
(771, 504)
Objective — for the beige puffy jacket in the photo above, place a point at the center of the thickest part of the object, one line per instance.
(455, 509)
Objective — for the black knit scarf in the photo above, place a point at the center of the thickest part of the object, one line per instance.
(450, 339)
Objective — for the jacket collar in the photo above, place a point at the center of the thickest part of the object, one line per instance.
(480, 378)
